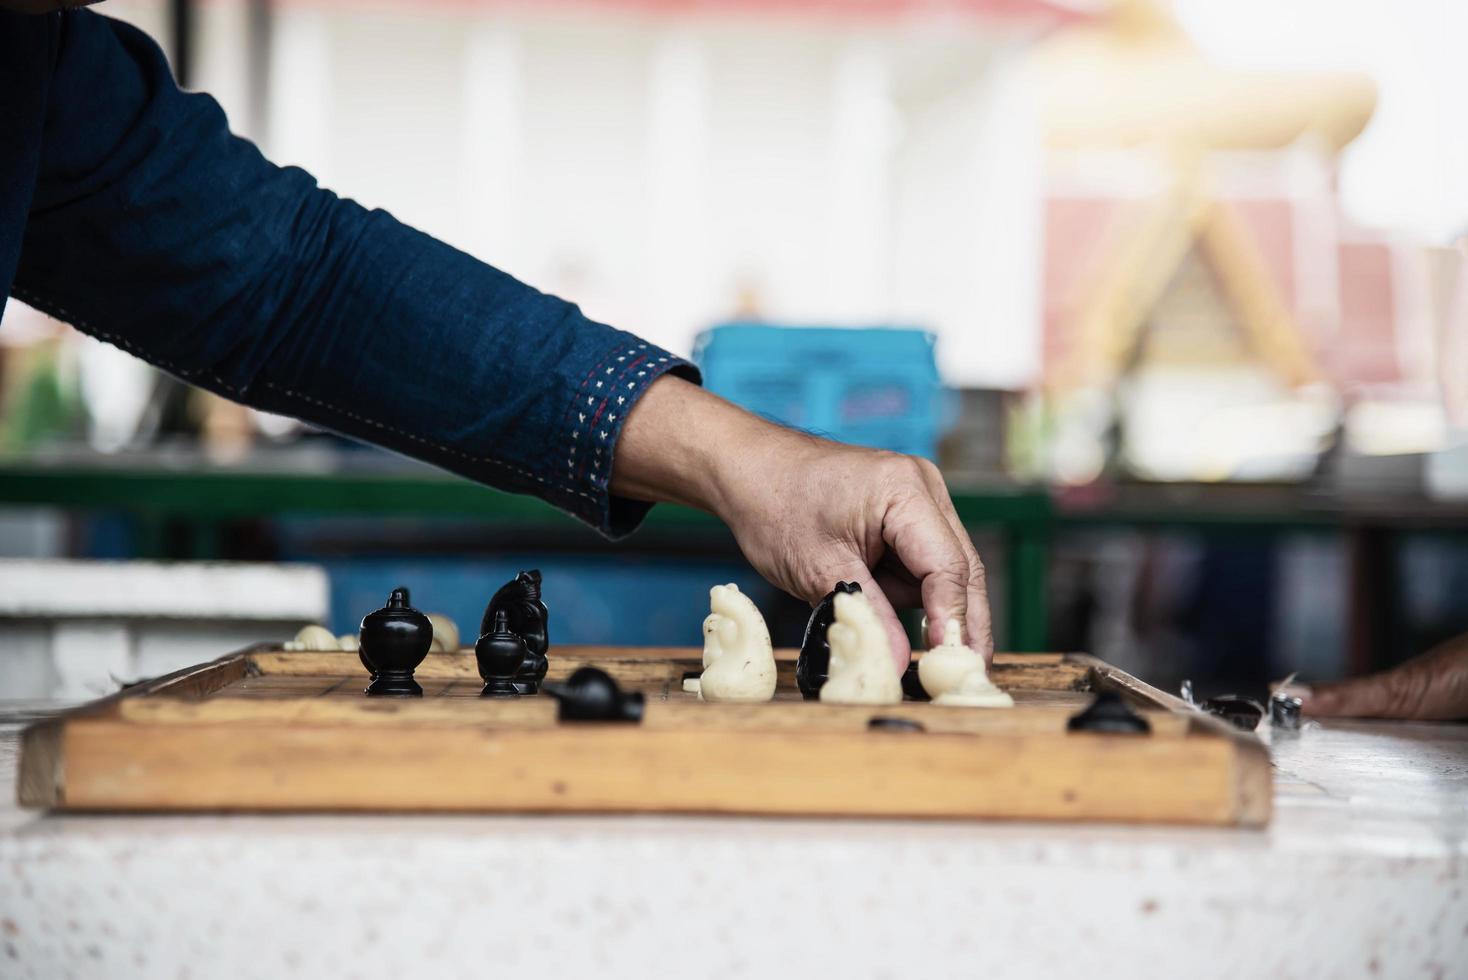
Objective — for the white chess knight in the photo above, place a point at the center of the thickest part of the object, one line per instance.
(954, 674)
(861, 671)
(738, 659)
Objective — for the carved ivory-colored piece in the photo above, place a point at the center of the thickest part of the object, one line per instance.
(941, 668)
(862, 670)
(445, 633)
(313, 638)
(958, 677)
(738, 659)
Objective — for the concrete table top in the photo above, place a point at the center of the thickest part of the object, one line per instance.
(1363, 872)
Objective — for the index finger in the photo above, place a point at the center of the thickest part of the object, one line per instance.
(980, 622)
(920, 536)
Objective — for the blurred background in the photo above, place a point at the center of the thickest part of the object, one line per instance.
(1173, 291)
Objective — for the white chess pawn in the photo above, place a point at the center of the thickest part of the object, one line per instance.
(738, 659)
(861, 671)
(976, 691)
(313, 638)
(941, 668)
(958, 677)
(445, 633)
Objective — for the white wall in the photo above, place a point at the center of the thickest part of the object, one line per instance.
(667, 172)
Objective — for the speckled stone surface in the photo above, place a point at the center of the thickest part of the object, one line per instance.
(1363, 873)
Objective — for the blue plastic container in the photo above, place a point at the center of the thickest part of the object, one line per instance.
(874, 387)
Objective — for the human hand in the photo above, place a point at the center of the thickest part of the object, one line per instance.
(1431, 687)
(808, 512)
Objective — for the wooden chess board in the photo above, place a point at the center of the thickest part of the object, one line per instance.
(264, 730)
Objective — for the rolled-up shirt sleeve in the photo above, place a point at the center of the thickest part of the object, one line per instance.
(155, 229)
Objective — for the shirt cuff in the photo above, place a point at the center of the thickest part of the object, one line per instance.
(593, 424)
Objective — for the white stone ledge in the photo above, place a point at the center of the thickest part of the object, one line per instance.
(66, 589)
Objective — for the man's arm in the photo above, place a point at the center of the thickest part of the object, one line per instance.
(155, 229)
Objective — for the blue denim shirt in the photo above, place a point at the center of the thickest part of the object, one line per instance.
(129, 210)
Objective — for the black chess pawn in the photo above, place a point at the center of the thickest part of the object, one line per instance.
(1111, 715)
(393, 642)
(500, 654)
(528, 619)
(592, 695)
(814, 664)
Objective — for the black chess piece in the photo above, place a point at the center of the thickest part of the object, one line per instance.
(500, 654)
(591, 695)
(393, 642)
(912, 687)
(1109, 714)
(529, 619)
(814, 664)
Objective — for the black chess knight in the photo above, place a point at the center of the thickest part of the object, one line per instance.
(815, 652)
(527, 617)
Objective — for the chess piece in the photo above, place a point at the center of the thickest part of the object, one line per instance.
(954, 674)
(975, 690)
(942, 667)
(445, 633)
(912, 686)
(1109, 714)
(394, 640)
(861, 668)
(500, 654)
(528, 618)
(815, 652)
(738, 659)
(313, 638)
(591, 695)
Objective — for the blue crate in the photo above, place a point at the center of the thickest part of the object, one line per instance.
(874, 387)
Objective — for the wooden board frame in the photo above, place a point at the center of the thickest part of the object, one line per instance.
(259, 730)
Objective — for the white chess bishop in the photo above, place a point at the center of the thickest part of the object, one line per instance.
(738, 659)
(954, 674)
(862, 671)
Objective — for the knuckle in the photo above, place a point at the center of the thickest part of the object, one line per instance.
(955, 567)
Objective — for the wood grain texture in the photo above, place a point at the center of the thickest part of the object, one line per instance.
(265, 730)
(121, 766)
(683, 714)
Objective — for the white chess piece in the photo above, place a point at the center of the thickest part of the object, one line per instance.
(976, 691)
(861, 671)
(942, 668)
(738, 659)
(313, 638)
(445, 633)
(958, 676)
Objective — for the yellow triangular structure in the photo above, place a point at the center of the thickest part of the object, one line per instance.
(1144, 257)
